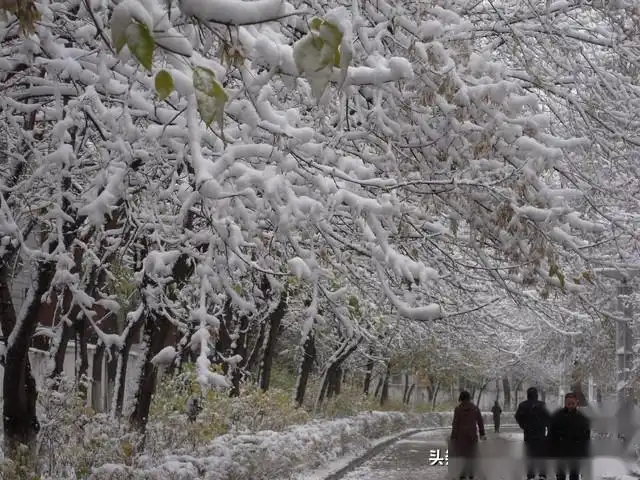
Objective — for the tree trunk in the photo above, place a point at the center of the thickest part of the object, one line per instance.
(274, 320)
(131, 332)
(334, 382)
(384, 396)
(334, 365)
(367, 375)
(21, 424)
(517, 391)
(241, 349)
(308, 359)
(409, 393)
(61, 348)
(435, 395)
(482, 388)
(379, 386)
(83, 368)
(97, 394)
(406, 387)
(156, 331)
(253, 362)
(506, 388)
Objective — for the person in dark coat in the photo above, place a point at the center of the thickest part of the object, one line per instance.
(496, 410)
(569, 438)
(533, 418)
(467, 423)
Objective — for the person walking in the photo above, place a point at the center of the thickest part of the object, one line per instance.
(569, 438)
(496, 410)
(533, 418)
(467, 426)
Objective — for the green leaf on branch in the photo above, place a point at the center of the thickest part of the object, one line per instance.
(210, 95)
(141, 43)
(164, 84)
(318, 52)
(554, 271)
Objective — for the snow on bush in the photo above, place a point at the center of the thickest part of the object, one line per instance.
(257, 435)
(273, 455)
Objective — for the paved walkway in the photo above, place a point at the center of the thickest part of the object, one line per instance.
(421, 457)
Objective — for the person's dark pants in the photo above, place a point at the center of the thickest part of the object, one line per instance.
(535, 459)
(468, 469)
(570, 467)
(496, 424)
(467, 463)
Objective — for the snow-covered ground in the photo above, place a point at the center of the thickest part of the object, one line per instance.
(292, 453)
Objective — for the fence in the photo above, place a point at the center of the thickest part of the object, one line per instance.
(41, 366)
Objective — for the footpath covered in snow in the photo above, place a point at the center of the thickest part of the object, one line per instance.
(423, 456)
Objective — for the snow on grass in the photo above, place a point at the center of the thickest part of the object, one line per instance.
(272, 455)
(295, 452)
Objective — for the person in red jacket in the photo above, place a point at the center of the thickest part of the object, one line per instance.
(463, 444)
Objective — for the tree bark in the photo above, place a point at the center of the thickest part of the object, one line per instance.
(384, 395)
(506, 388)
(270, 349)
(406, 387)
(241, 349)
(83, 368)
(21, 424)
(379, 386)
(308, 359)
(97, 394)
(482, 389)
(409, 393)
(334, 365)
(334, 382)
(156, 331)
(367, 375)
(435, 395)
(131, 332)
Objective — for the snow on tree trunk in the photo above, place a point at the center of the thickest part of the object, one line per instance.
(136, 320)
(19, 388)
(240, 350)
(83, 368)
